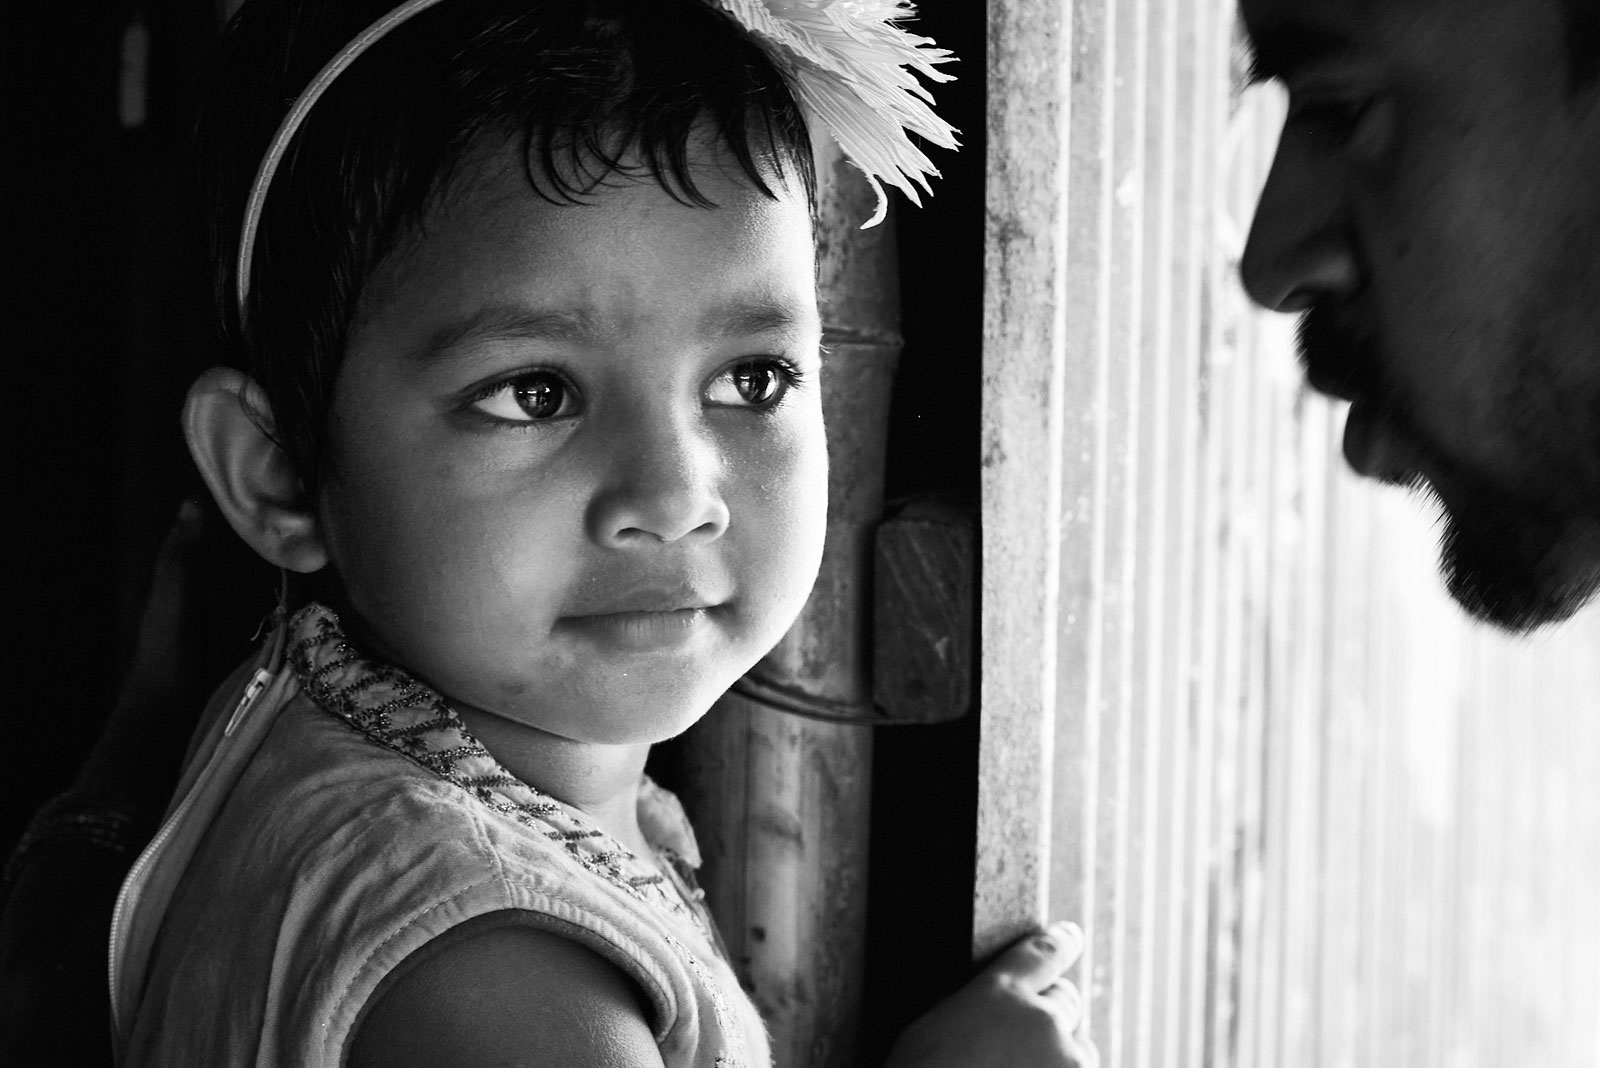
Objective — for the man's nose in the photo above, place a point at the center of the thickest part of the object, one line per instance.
(662, 483)
(1300, 250)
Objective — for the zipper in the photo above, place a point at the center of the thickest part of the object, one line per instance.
(134, 883)
(258, 682)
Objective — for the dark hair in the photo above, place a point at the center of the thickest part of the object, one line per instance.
(587, 85)
(1582, 23)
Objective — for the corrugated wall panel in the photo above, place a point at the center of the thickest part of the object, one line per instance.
(1307, 815)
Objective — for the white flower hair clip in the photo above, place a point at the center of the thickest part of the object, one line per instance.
(852, 69)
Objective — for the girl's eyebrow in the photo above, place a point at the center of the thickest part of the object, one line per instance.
(502, 321)
(743, 317)
(579, 325)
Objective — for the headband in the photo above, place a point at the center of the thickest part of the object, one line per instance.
(851, 68)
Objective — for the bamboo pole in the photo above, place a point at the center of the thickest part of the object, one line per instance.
(781, 801)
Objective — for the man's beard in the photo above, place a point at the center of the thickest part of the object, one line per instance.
(1507, 559)
(1508, 566)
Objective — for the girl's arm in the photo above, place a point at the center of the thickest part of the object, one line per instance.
(515, 995)
(507, 995)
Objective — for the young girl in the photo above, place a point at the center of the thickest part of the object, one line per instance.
(527, 337)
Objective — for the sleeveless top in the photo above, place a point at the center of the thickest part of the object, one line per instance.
(353, 821)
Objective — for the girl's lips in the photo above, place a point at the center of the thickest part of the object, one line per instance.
(610, 594)
(637, 631)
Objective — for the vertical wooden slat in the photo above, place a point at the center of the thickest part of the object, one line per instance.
(1083, 624)
(1024, 509)
(1211, 917)
(1156, 747)
(1122, 172)
(1194, 590)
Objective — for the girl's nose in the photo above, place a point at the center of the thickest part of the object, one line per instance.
(662, 484)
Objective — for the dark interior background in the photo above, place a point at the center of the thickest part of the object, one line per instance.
(103, 324)
(924, 797)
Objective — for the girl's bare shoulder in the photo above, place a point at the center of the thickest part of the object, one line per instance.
(506, 995)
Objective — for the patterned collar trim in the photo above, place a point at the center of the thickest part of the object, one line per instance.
(403, 715)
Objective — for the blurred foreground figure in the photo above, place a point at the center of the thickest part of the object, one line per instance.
(58, 885)
(1433, 214)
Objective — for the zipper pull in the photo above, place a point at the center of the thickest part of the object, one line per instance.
(258, 682)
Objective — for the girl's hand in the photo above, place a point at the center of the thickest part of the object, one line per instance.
(1018, 1013)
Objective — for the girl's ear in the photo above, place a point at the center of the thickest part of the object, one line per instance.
(228, 423)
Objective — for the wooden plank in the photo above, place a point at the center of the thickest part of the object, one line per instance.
(1155, 748)
(1024, 515)
(1078, 875)
(1118, 170)
(1193, 641)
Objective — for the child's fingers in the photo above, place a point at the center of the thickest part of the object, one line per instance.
(1036, 962)
(1068, 1002)
(1021, 1010)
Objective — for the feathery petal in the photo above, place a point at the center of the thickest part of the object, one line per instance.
(855, 73)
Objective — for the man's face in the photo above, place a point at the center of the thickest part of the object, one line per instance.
(1434, 213)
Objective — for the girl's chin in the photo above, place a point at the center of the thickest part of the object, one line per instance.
(621, 720)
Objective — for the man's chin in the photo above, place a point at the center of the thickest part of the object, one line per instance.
(1520, 573)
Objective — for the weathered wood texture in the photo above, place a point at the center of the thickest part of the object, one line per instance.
(781, 803)
(1306, 814)
(923, 618)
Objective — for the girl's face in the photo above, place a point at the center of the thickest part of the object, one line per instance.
(578, 476)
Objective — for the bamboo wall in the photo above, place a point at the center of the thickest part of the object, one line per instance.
(1307, 815)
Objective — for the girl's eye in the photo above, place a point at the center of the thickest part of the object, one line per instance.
(754, 384)
(527, 398)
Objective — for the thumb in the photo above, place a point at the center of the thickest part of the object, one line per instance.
(1038, 960)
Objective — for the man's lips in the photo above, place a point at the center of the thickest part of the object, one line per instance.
(1374, 448)
(1340, 359)
(1330, 381)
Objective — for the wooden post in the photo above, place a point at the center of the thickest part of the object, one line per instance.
(780, 801)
